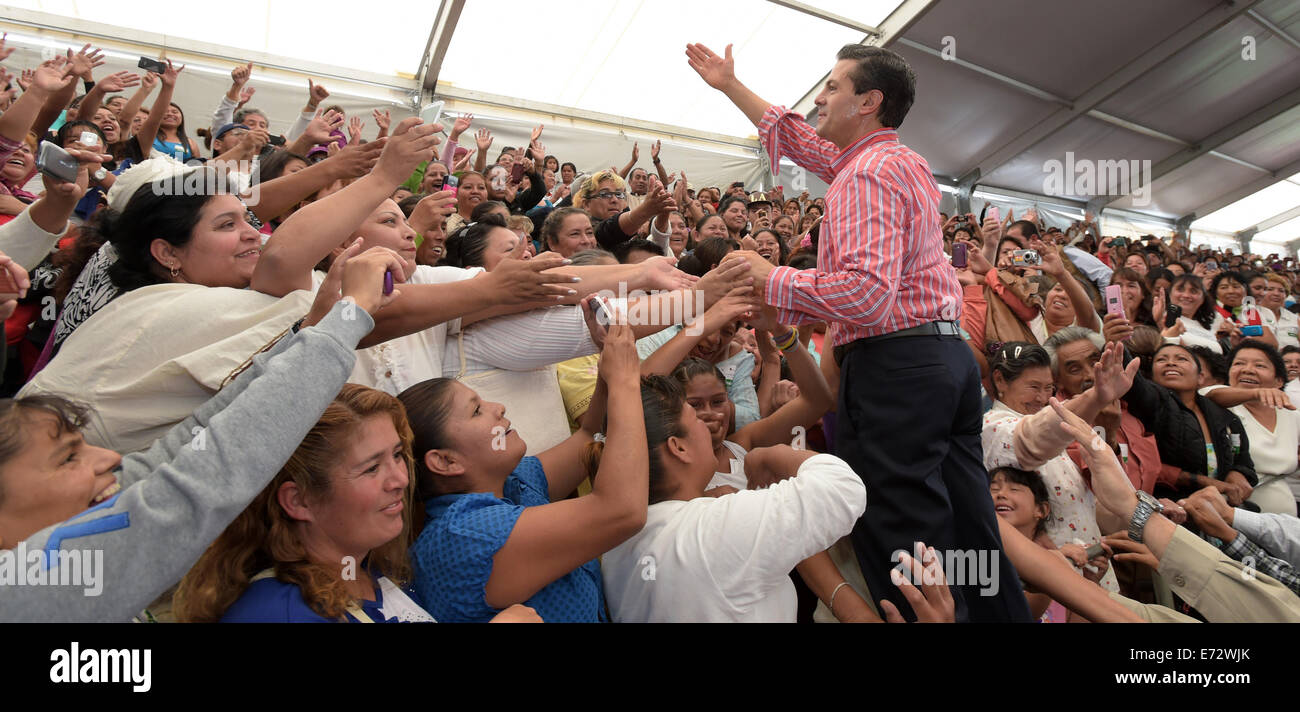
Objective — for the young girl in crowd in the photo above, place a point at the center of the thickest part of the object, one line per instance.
(500, 530)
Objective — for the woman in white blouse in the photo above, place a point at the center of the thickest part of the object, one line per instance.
(1021, 431)
(1270, 291)
(706, 559)
(1194, 327)
(1255, 377)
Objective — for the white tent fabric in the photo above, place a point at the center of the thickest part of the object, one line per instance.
(1206, 91)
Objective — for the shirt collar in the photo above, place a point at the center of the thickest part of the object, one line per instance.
(882, 135)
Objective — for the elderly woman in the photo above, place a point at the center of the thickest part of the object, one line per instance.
(1022, 432)
(1270, 292)
(1236, 311)
(604, 196)
(1256, 375)
(326, 540)
(568, 231)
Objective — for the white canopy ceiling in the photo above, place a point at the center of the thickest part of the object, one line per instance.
(1207, 91)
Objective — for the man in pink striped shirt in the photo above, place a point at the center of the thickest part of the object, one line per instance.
(909, 405)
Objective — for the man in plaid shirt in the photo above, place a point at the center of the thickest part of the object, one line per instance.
(1239, 533)
(886, 286)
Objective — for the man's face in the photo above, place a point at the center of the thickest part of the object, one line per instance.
(1074, 362)
(760, 215)
(839, 117)
(256, 121)
(228, 140)
(638, 181)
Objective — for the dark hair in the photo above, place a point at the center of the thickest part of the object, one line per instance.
(79, 125)
(1034, 482)
(623, 249)
(69, 416)
(466, 245)
(692, 367)
(886, 70)
(1214, 362)
(1275, 358)
(1237, 277)
(662, 400)
(570, 165)
(1143, 315)
(551, 226)
(428, 407)
(407, 204)
(273, 165)
(1290, 350)
(1014, 358)
(704, 221)
(711, 252)
(803, 260)
(548, 159)
(487, 205)
(1205, 315)
(1028, 231)
(157, 210)
(182, 139)
(784, 250)
(1158, 273)
(727, 201)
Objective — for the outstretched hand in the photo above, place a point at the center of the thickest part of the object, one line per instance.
(717, 72)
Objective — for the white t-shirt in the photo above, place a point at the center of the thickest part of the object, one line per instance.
(1196, 335)
(736, 477)
(1287, 329)
(400, 363)
(728, 559)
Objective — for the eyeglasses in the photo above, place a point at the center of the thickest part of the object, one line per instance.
(606, 195)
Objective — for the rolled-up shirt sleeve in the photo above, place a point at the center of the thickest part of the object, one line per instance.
(785, 133)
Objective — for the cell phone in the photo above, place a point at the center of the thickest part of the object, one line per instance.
(1173, 313)
(959, 254)
(1026, 258)
(388, 282)
(1211, 265)
(517, 172)
(601, 311)
(993, 213)
(277, 140)
(449, 182)
(153, 65)
(1252, 330)
(56, 163)
(1119, 242)
(1093, 551)
(1114, 300)
(89, 139)
(432, 113)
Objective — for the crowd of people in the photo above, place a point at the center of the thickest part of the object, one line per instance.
(332, 376)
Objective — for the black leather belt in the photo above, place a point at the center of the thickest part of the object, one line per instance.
(934, 328)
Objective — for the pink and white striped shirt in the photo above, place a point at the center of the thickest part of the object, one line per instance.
(881, 265)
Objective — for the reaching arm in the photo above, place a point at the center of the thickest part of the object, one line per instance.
(550, 540)
(720, 73)
(815, 398)
(136, 101)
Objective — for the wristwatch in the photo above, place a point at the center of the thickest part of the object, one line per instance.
(1146, 506)
(101, 174)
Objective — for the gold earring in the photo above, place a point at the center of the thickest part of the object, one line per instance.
(176, 271)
